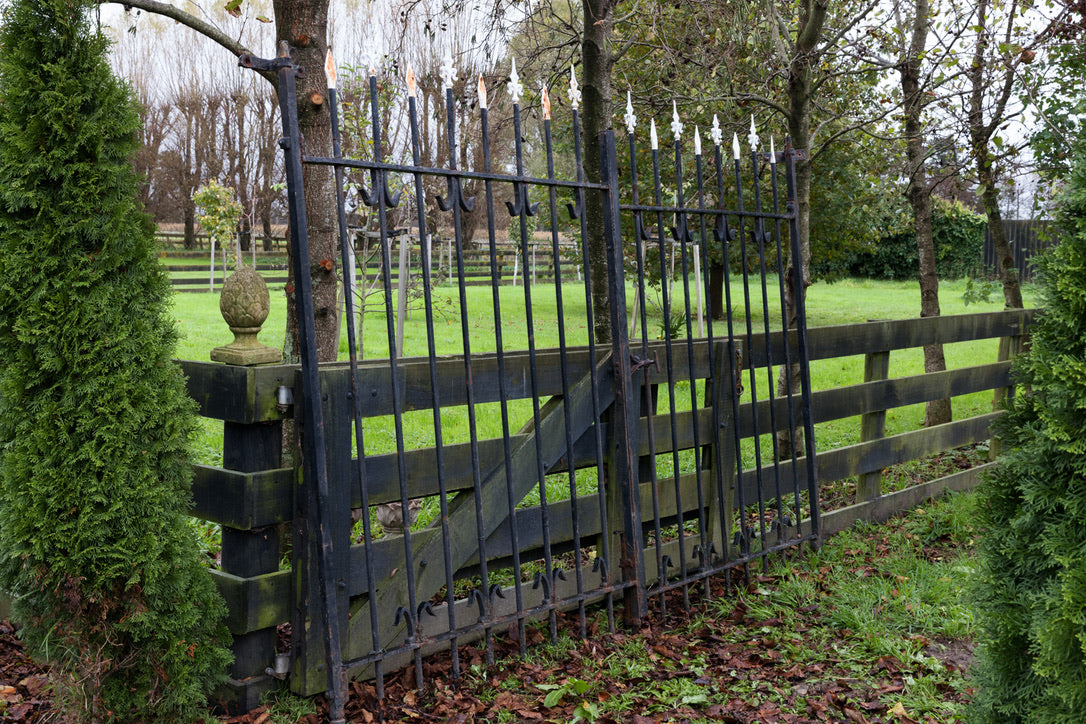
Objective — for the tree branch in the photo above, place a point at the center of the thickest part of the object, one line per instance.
(192, 22)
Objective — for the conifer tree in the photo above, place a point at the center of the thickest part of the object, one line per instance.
(94, 418)
(1031, 592)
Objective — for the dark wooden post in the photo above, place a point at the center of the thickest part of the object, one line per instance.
(248, 553)
(1009, 348)
(872, 424)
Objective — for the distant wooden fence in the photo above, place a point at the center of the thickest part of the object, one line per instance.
(477, 270)
(1028, 238)
(251, 495)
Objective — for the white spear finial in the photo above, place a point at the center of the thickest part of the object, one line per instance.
(697, 141)
(448, 72)
(735, 145)
(574, 89)
(653, 138)
(515, 86)
(772, 151)
(412, 85)
(676, 124)
(482, 93)
(631, 119)
(370, 56)
(716, 134)
(753, 137)
(330, 69)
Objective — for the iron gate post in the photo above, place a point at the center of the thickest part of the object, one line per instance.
(314, 466)
(625, 417)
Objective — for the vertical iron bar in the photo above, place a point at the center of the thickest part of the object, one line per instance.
(684, 235)
(800, 293)
(570, 457)
(313, 443)
(456, 202)
(379, 187)
(523, 203)
(712, 382)
(603, 557)
(625, 417)
(503, 389)
(746, 543)
(648, 398)
(356, 399)
(665, 280)
(725, 238)
(759, 234)
(473, 429)
(781, 281)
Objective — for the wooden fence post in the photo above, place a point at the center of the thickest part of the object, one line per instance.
(251, 448)
(1009, 348)
(872, 424)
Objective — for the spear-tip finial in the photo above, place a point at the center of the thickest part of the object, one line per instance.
(676, 124)
(631, 119)
(772, 151)
(482, 93)
(735, 145)
(574, 89)
(697, 141)
(546, 105)
(330, 69)
(653, 138)
(715, 133)
(448, 72)
(515, 86)
(412, 85)
(753, 137)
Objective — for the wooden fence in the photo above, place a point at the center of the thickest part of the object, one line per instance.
(251, 495)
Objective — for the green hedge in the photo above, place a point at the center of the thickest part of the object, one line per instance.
(957, 232)
(94, 417)
(1031, 589)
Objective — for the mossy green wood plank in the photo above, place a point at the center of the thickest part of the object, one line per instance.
(855, 339)
(308, 633)
(427, 545)
(415, 392)
(238, 394)
(873, 423)
(388, 555)
(864, 457)
(255, 603)
(242, 500)
(844, 402)
(889, 505)
(722, 458)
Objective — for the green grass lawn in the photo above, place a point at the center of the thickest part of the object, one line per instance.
(844, 302)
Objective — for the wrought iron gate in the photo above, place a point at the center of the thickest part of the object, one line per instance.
(639, 469)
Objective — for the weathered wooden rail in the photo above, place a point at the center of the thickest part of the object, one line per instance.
(252, 496)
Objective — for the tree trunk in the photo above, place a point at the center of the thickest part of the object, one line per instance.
(980, 135)
(1008, 271)
(596, 85)
(938, 411)
(304, 25)
(812, 17)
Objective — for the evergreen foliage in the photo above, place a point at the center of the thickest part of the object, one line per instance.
(958, 236)
(1031, 591)
(94, 417)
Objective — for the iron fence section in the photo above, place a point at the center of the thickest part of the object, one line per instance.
(537, 507)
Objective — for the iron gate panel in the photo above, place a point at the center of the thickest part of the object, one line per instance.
(632, 452)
